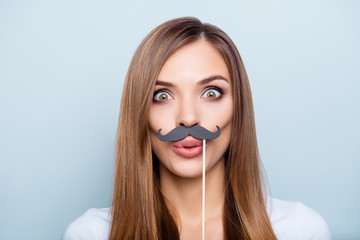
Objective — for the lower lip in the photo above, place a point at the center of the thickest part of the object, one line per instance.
(189, 152)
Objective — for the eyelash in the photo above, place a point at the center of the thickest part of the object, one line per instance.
(207, 89)
(221, 92)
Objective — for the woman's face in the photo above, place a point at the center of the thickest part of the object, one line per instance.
(181, 98)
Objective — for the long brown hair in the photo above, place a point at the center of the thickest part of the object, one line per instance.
(138, 207)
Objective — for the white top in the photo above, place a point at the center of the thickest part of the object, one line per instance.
(290, 220)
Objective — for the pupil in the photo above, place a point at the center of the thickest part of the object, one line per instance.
(163, 97)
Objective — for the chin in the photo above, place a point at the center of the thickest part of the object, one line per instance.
(183, 167)
(186, 169)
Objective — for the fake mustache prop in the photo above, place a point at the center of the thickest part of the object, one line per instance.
(198, 132)
(181, 132)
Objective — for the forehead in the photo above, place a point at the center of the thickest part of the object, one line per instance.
(192, 62)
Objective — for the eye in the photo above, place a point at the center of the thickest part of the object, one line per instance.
(161, 96)
(213, 93)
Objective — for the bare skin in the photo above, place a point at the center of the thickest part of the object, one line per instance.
(187, 102)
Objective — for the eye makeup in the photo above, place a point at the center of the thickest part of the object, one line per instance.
(162, 95)
(214, 89)
(158, 94)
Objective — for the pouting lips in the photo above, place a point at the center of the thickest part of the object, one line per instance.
(188, 147)
(188, 142)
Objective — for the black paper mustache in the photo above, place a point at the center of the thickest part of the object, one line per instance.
(181, 132)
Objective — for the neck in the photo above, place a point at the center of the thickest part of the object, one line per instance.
(183, 196)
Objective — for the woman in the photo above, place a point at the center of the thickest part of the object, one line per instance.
(186, 73)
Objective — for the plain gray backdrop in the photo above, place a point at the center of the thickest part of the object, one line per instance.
(62, 68)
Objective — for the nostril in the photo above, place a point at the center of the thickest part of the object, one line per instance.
(188, 125)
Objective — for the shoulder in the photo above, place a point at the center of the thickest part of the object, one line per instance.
(94, 224)
(294, 220)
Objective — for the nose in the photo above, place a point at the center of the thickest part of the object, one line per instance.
(188, 114)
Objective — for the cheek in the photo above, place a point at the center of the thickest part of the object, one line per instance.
(220, 114)
(226, 119)
(157, 146)
(161, 116)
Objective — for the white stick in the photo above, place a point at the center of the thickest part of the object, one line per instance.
(203, 192)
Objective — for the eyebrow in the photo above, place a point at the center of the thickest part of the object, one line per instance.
(201, 82)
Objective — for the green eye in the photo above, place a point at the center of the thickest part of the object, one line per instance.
(161, 96)
(212, 94)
